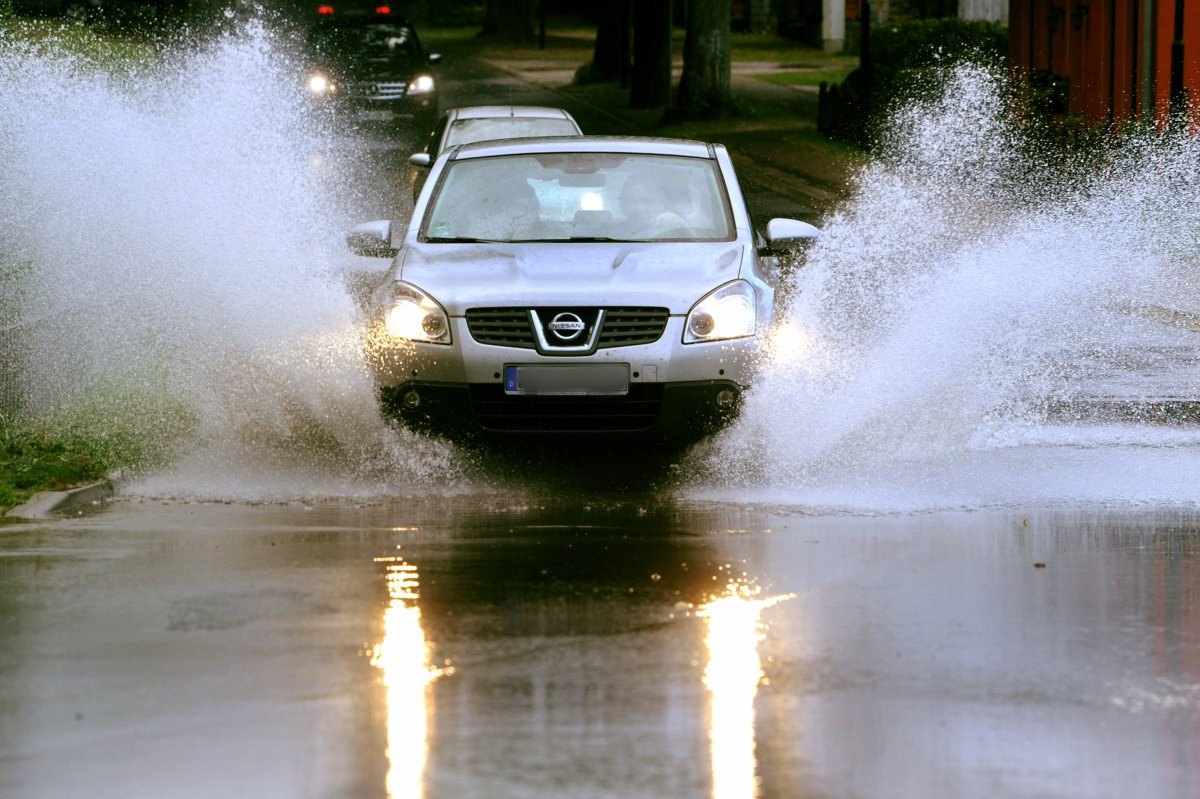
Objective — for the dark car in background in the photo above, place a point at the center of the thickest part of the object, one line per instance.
(369, 68)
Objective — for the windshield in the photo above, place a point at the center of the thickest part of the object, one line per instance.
(466, 131)
(366, 47)
(579, 197)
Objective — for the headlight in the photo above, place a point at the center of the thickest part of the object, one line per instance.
(728, 312)
(421, 85)
(320, 85)
(416, 316)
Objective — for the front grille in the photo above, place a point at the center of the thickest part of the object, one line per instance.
(377, 91)
(634, 412)
(624, 327)
(501, 327)
(510, 327)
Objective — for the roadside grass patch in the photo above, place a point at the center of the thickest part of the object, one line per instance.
(91, 49)
(814, 76)
(107, 433)
(128, 430)
(32, 459)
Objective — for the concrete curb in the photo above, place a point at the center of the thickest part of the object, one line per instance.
(47, 504)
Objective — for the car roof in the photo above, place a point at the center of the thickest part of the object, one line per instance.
(648, 145)
(492, 111)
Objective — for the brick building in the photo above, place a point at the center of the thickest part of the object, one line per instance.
(1109, 60)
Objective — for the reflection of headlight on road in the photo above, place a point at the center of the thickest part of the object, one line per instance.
(421, 85)
(320, 85)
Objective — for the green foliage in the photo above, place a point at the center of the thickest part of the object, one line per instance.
(907, 59)
(91, 48)
(108, 431)
(923, 43)
(34, 459)
(130, 430)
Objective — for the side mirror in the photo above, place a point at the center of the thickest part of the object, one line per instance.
(784, 230)
(420, 159)
(372, 239)
(786, 236)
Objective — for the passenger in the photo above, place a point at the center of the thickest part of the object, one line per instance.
(648, 207)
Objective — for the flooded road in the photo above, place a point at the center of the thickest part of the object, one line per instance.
(483, 646)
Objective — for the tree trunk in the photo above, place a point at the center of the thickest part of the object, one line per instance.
(651, 84)
(510, 21)
(610, 54)
(704, 89)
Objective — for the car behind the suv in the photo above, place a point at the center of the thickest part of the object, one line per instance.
(371, 68)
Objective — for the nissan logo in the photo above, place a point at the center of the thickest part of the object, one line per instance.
(566, 326)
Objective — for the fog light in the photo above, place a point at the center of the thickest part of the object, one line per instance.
(726, 398)
(411, 400)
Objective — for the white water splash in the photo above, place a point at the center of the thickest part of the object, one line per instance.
(176, 243)
(952, 301)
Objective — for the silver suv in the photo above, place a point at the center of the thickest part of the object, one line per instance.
(575, 286)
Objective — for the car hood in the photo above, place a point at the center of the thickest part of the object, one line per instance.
(366, 69)
(673, 276)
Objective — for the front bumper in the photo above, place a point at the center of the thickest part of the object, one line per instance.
(418, 110)
(676, 393)
(651, 413)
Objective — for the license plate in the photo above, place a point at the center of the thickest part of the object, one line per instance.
(374, 116)
(597, 379)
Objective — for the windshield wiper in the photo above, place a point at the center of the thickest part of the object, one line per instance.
(562, 240)
(572, 239)
(463, 240)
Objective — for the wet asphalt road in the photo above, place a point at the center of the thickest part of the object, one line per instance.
(494, 646)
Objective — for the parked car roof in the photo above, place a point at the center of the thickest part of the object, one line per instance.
(585, 144)
(490, 111)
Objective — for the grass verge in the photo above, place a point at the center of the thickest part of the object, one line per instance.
(91, 47)
(106, 432)
(808, 77)
(32, 459)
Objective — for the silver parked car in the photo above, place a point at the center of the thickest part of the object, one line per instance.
(470, 124)
(573, 286)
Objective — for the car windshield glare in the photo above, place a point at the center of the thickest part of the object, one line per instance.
(468, 131)
(563, 197)
(359, 44)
